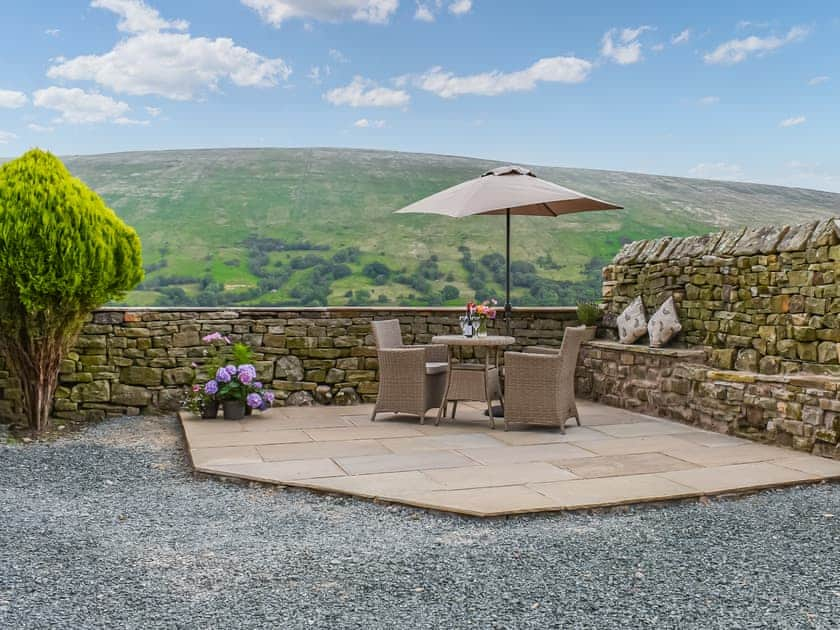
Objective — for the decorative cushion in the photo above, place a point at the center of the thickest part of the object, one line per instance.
(433, 367)
(664, 324)
(631, 322)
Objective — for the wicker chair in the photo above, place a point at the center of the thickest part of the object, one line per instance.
(412, 379)
(540, 383)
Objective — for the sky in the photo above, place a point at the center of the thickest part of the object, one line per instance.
(744, 90)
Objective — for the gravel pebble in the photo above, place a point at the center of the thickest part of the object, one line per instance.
(110, 529)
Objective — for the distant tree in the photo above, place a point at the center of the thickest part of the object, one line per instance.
(63, 253)
(449, 293)
(347, 255)
(374, 269)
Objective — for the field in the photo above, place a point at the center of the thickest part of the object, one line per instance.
(316, 226)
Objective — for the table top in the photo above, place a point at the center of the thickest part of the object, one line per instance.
(460, 340)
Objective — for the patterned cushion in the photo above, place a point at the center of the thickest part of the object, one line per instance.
(631, 322)
(664, 324)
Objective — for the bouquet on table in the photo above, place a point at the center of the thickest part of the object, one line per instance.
(474, 322)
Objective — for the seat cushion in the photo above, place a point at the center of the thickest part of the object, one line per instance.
(664, 324)
(631, 322)
(436, 368)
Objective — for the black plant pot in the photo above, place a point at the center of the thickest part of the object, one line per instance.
(233, 409)
(210, 410)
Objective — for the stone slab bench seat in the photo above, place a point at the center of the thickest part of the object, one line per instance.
(693, 355)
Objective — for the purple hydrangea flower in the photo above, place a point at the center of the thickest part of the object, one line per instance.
(254, 401)
(257, 385)
(245, 377)
(247, 367)
(222, 375)
(269, 397)
(211, 387)
(230, 369)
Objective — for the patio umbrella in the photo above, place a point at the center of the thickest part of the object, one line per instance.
(505, 191)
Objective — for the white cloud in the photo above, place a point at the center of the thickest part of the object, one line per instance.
(819, 80)
(364, 123)
(811, 175)
(338, 56)
(52, 32)
(792, 121)
(6, 137)
(363, 92)
(39, 128)
(138, 17)
(11, 99)
(550, 70)
(709, 100)
(424, 13)
(682, 37)
(78, 106)
(737, 50)
(154, 112)
(460, 7)
(275, 12)
(122, 120)
(622, 45)
(716, 170)
(173, 65)
(658, 47)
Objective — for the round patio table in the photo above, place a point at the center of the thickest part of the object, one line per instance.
(473, 381)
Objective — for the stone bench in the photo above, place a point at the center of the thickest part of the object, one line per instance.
(799, 410)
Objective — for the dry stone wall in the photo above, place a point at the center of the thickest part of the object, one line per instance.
(762, 300)
(129, 361)
(797, 410)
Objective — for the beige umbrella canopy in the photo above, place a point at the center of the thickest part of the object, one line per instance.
(507, 190)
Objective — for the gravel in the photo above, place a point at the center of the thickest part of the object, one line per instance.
(109, 529)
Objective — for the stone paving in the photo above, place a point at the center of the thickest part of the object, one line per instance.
(617, 457)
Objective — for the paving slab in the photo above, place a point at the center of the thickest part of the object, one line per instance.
(249, 438)
(617, 457)
(498, 475)
(624, 465)
(315, 450)
(591, 493)
(427, 460)
(271, 472)
(720, 479)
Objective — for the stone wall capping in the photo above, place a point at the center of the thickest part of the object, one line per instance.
(688, 354)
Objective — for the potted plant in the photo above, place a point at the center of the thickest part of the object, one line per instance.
(236, 387)
(201, 403)
(232, 382)
(589, 314)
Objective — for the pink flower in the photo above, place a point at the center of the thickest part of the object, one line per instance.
(211, 337)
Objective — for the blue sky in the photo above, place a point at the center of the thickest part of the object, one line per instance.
(731, 90)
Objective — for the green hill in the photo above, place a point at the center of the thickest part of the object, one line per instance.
(316, 226)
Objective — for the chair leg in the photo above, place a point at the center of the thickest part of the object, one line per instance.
(373, 414)
(577, 415)
(422, 415)
(454, 408)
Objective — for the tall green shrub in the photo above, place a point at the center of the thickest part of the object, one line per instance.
(63, 253)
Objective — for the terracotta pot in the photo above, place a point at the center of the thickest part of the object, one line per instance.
(233, 409)
(210, 410)
(589, 335)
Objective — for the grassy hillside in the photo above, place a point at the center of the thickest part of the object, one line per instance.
(308, 226)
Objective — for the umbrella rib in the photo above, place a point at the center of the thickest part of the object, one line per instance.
(547, 207)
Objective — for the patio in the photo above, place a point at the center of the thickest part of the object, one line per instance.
(616, 458)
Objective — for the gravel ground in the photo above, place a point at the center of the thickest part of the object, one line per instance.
(109, 529)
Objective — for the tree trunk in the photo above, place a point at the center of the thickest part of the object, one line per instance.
(37, 368)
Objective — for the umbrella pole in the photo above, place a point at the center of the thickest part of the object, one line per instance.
(508, 307)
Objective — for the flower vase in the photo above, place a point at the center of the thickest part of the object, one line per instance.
(210, 409)
(482, 327)
(233, 409)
